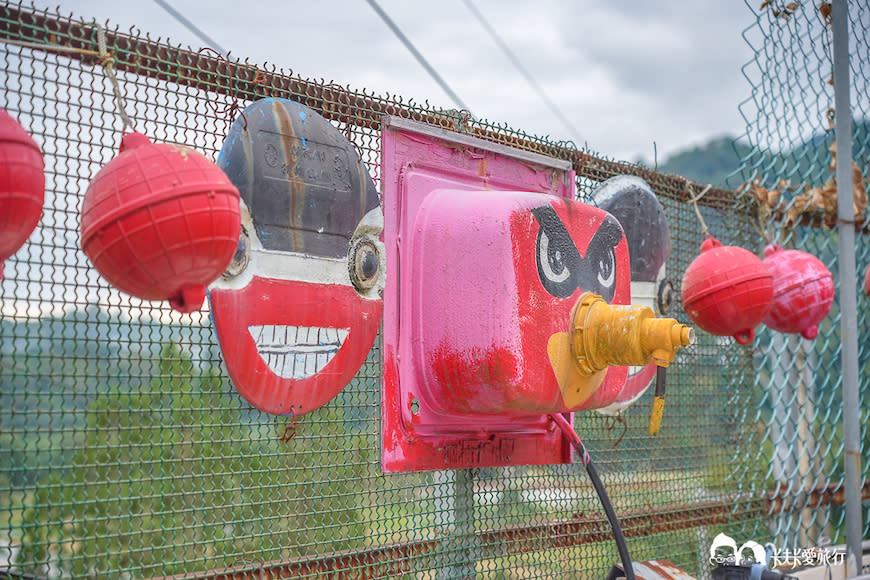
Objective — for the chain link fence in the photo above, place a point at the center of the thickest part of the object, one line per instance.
(126, 452)
(788, 166)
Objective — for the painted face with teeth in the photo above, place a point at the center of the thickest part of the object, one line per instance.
(299, 308)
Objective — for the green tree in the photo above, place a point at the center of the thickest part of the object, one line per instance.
(177, 477)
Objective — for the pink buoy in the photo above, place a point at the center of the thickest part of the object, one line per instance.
(803, 291)
(22, 186)
(727, 290)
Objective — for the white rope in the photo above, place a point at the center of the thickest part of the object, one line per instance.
(107, 60)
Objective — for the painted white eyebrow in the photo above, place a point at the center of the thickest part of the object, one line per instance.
(279, 265)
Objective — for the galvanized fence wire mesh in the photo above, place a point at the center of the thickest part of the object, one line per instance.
(125, 451)
(788, 168)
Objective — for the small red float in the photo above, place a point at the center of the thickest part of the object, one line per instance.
(803, 291)
(867, 282)
(22, 186)
(161, 222)
(727, 290)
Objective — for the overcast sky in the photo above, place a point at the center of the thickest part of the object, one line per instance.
(625, 74)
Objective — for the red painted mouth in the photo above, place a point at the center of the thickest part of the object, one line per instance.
(291, 346)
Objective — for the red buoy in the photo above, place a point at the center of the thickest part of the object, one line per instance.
(160, 222)
(22, 186)
(727, 290)
(867, 282)
(803, 291)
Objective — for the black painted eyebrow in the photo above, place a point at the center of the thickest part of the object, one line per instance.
(550, 222)
(609, 227)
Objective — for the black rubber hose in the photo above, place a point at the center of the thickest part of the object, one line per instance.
(615, 527)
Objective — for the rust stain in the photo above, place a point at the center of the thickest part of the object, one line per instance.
(289, 143)
(659, 570)
(781, 500)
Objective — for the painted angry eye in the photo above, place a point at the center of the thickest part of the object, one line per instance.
(561, 268)
(550, 260)
(556, 256)
(601, 255)
(607, 269)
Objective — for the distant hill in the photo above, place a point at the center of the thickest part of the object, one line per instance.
(804, 164)
(711, 162)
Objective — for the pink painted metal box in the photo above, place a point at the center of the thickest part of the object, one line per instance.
(487, 254)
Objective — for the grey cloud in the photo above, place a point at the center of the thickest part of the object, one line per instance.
(624, 73)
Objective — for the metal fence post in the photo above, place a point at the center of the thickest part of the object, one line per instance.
(782, 429)
(848, 299)
(460, 551)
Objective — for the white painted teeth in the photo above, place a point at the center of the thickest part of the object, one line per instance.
(297, 352)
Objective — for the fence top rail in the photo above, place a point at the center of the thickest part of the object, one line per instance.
(208, 71)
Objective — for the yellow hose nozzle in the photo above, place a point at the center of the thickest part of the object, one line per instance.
(655, 419)
(605, 334)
